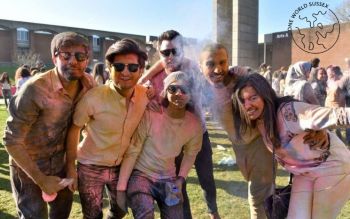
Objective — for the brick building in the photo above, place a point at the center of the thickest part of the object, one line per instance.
(17, 37)
(279, 50)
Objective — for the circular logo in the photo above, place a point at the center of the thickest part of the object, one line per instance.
(311, 30)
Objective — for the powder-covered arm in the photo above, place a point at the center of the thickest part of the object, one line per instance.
(133, 152)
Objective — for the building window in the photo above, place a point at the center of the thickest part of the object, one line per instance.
(22, 37)
(96, 43)
(22, 34)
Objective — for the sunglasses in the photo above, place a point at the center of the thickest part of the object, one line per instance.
(167, 52)
(172, 89)
(121, 66)
(79, 56)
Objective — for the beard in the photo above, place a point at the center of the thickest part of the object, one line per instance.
(71, 74)
(72, 78)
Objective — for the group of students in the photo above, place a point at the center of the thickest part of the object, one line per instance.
(320, 86)
(22, 74)
(48, 113)
(143, 133)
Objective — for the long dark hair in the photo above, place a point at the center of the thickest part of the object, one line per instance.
(98, 70)
(314, 74)
(3, 78)
(21, 72)
(269, 114)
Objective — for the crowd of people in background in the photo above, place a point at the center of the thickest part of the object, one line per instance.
(310, 82)
(21, 75)
(142, 131)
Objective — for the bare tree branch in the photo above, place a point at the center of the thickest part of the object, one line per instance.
(28, 58)
(342, 12)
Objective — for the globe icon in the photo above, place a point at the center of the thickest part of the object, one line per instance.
(314, 30)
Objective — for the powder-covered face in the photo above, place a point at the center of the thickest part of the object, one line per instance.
(321, 75)
(178, 94)
(331, 74)
(214, 66)
(70, 69)
(171, 54)
(252, 102)
(124, 78)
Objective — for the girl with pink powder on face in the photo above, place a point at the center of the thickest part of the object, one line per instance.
(321, 175)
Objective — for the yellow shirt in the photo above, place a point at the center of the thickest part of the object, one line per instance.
(107, 122)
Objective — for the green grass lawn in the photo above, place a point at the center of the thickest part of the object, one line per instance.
(231, 187)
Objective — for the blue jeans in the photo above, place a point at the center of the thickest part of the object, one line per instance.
(29, 202)
(204, 169)
(141, 197)
(92, 180)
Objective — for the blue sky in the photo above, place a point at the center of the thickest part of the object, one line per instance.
(274, 14)
(192, 18)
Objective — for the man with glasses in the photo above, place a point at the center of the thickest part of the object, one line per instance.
(171, 52)
(109, 115)
(40, 114)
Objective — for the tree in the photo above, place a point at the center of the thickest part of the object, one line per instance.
(342, 12)
(28, 58)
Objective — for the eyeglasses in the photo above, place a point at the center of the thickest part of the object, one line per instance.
(166, 52)
(79, 56)
(172, 89)
(131, 67)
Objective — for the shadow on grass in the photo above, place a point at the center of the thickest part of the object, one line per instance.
(234, 188)
(4, 170)
(76, 198)
(222, 168)
(215, 133)
(228, 146)
(282, 173)
(218, 168)
(4, 215)
(5, 185)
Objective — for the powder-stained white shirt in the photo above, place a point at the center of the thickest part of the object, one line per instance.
(160, 138)
(293, 121)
